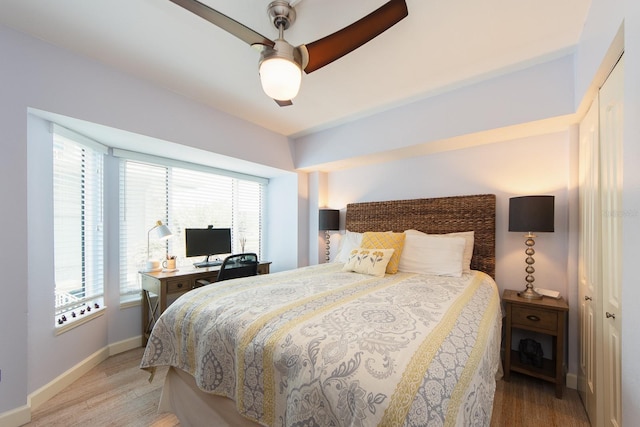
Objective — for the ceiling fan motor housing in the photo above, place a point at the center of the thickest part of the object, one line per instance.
(282, 49)
(282, 14)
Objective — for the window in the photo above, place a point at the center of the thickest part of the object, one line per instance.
(181, 196)
(77, 224)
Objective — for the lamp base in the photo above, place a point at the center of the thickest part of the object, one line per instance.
(327, 252)
(152, 266)
(529, 293)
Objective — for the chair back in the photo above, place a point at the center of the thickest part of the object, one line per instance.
(238, 265)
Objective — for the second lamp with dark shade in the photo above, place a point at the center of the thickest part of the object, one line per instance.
(328, 219)
(531, 214)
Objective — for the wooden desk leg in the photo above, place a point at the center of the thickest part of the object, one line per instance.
(145, 316)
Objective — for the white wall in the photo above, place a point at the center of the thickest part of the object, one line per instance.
(535, 93)
(602, 25)
(284, 213)
(631, 223)
(41, 76)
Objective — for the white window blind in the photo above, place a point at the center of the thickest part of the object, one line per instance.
(247, 220)
(143, 193)
(181, 197)
(78, 220)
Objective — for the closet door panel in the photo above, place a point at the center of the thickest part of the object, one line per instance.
(611, 146)
(589, 261)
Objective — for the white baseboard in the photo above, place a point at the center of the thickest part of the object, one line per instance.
(65, 379)
(572, 381)
(16, 417)
(125, 345)
(19, 416)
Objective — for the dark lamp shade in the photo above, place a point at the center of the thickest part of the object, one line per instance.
(531, 213)
(329, 219)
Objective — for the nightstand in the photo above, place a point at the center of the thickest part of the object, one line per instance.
(546, 316)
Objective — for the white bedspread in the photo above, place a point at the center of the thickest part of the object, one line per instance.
(318, 346)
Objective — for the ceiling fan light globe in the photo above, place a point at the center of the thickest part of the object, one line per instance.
(280, 78)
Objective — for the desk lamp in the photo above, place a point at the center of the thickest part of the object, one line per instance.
(162, 232)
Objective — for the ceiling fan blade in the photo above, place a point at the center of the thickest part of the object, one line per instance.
(334, 46)
(283, 103)
(228, 24)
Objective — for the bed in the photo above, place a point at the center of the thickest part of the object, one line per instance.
(335, 345)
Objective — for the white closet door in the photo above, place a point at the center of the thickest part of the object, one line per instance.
(611, 127)
(589, 262)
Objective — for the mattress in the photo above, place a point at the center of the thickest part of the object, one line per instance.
(321, 346)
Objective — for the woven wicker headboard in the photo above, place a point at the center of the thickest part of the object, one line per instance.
(436, 216)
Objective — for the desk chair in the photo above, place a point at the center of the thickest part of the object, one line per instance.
(238, 265)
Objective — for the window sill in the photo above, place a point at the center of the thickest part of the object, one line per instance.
(80, 320)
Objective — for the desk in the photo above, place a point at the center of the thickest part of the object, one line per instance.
(160, 289)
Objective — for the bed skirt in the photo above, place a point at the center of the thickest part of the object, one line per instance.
(182, 397)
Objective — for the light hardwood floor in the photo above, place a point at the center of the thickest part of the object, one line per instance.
(117, 393)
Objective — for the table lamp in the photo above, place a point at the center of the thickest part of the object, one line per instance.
(531, 214)
(329, 219)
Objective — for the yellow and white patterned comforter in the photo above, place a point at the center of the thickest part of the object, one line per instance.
(320, 347)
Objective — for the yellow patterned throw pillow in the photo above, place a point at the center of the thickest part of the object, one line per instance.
(368, 261)
(382, 240)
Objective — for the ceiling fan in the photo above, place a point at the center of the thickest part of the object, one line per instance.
(281, 64)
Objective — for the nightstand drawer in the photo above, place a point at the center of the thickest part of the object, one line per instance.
(531, 317)
(179, 285)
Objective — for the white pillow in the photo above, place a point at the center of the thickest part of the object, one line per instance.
(430, 254)
(368, 261)
(468, 247)
(349, 241)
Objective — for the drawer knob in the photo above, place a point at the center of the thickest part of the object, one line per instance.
(610, 315)
(179, 285)
(533, 318)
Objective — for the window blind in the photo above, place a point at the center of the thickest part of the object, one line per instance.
(181, 197)
(247, 221)
(143, 194)
(78, 220)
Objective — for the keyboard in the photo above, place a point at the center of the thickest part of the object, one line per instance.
(204, 264)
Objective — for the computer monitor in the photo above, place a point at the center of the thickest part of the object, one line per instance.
(207, 242)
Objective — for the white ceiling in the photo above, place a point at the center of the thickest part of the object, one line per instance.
(441, 45)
